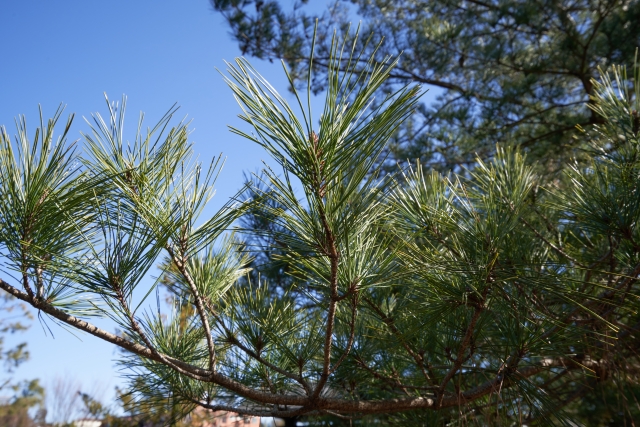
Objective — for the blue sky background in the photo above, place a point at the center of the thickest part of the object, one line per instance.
(157, 53)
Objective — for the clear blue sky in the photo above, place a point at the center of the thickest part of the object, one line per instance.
(157, 53)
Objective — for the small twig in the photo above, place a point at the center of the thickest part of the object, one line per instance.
(460, 357)
(254, 355)
(419, 359)
(334, 258)
(352, 327)
(393, 381)
(551, 245)
(180, 263)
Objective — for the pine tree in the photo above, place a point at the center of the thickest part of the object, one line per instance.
(514, 72)
(491, 297)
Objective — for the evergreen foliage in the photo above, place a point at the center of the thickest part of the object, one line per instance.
(492, 297)
(508, 71)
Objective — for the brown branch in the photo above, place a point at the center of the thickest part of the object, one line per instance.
(598, 299)
(392, 327)
(180, 263)
(256, 356)
(334, 258)
(390, 380)
(252, 412)
(551, 245)
(184, 368)
(307, 404)
(352, 326)
(25, 276)
(530, 141)
(460, 357)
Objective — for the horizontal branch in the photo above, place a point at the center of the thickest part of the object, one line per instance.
(303, 404)
(190, 370)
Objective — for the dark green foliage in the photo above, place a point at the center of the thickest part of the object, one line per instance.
(258, 227)
(513, 72)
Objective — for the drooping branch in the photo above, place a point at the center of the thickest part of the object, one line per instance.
(184, 368)
(307, 404)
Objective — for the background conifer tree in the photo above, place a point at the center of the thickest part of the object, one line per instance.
(514, 72)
